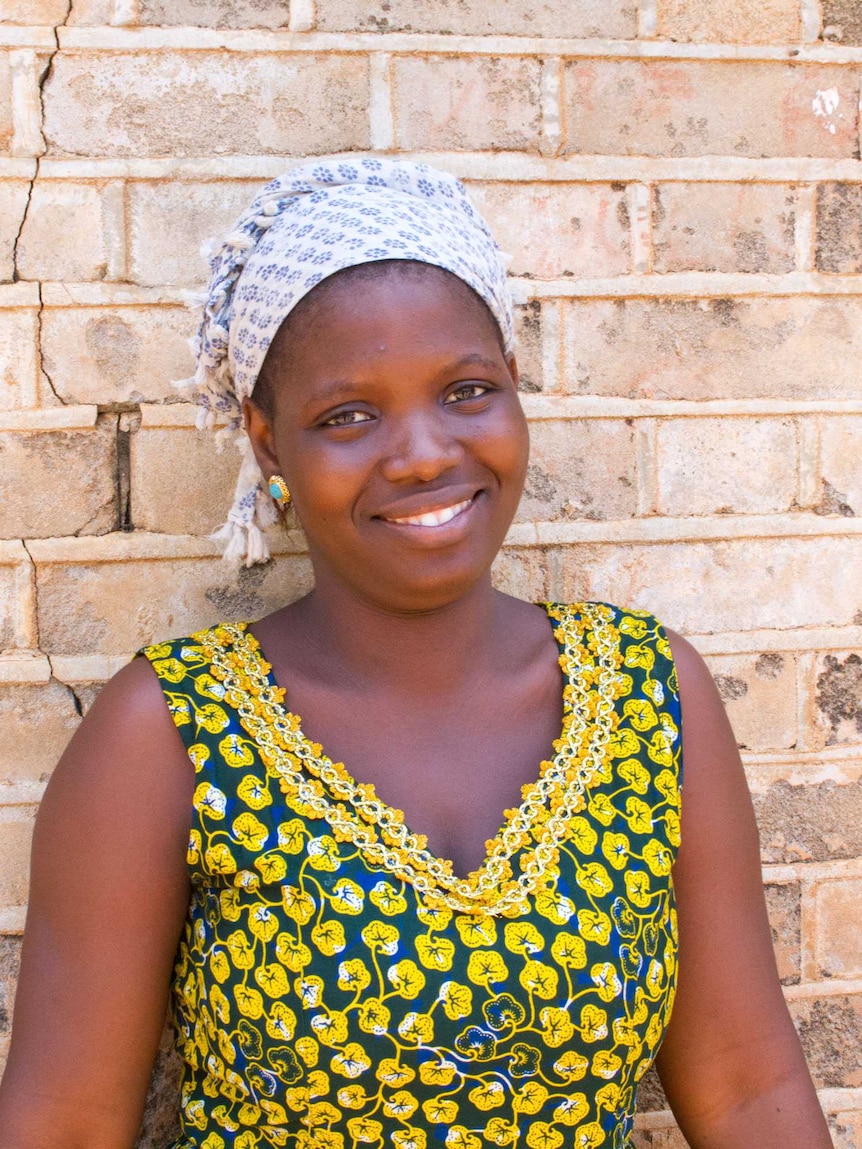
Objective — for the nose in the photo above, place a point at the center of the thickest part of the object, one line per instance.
(421, 449)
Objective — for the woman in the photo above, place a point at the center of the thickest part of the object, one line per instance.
(341, 980)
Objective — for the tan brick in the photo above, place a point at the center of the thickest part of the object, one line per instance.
(6, 126)
(724, 466)
(841, 472)
(831, 1033)
(37, 721)
(784, 906)
(115, 607)
(732, 21)
(759, 693)
(16, 832)
(169, 223)
(813, 822)
(69, 482)
(467, 103)
(523, 572)
(11, 592)
(529, 336)
(843, 19)
(651, 1095)
(160, 1125)
(839, 228)
(216, 13)
(837, 931)
(19, 358)
(558, 229)
(39, 12)
(88, 12)
(116, 354)
(846, 1130)
(724, 227)
(580, 469)
(585, 18)
(171, 104)
(73, 231)
(796, 348)
(10, 964)
(838, 698)
(179, 483)
(703, 587)
(13, 204)
(694, 108)
(658, 1139)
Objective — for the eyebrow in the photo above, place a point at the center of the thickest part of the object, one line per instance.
(338, 387)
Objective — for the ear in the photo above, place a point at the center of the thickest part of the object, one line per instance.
(512, 364)
(259, 430)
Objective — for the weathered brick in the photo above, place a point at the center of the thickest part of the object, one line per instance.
(759, 693)
(843, 19)
(6, 126)
(841, 473)
(465, 103)
(73, 231)
(838, 698)
(115, 607)
(19, 358)
(580, 469)
(846, 1130)
(89, 12)
(812, 822)
(16, 832)
(37, 720)
(116, 354)
(160, 1125)
(170, 222)
(831, 1033)
(742, 584)
(651, 1095)
(731, 21)
(558, 229)
(216, 13)
(167, 103)
(837, 933)
(724, 227)
(795, 348)
(784, 906)
(70, 486)
(13, 205)
(39, 12)
(180, 484)
(582, 18)
(694, 108)
(523, 572)
(712, 466)
(670, 1138)
(529, 332)
(839, 228)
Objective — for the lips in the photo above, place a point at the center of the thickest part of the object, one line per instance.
(436, 518)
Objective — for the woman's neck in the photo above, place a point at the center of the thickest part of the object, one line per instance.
(430, 652)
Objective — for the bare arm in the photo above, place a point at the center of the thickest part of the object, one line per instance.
(731, 1062)
(109, 892)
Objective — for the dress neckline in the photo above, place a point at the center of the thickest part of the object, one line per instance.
(529, 835)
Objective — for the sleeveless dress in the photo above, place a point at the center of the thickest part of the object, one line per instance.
(337, 985)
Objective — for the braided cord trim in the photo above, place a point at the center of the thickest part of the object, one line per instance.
(318, 787)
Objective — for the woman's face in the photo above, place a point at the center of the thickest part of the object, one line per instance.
(398, 429)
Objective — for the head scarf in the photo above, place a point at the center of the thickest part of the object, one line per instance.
(303, 227)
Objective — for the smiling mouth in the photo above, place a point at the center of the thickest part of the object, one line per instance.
(436, 518)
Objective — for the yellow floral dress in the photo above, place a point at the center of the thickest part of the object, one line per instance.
(337, 985)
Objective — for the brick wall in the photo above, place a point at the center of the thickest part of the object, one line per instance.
(679, 184)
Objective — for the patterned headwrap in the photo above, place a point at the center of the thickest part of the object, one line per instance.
(302, 227)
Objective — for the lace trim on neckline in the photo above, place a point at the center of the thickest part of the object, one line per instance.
(320, 788)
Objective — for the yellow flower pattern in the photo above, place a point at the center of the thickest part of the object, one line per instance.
(337, 985)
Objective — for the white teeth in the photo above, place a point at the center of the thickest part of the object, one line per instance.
(435, 518)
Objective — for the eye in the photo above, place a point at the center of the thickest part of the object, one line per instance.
(465, 391)
(347, 419)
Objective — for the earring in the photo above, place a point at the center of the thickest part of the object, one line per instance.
(278, 490)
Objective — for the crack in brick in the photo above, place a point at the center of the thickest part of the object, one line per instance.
(37, 642)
